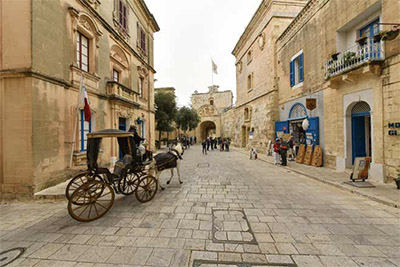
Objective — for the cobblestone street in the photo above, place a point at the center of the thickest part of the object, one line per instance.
(228, 210)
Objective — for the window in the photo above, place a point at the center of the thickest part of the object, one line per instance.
(249, 56)
(297, 69)
(115, 76)
(141, 83)
(82, 52)
(122, 14)
(84, 128)
(211, 102)
(250, 81)
(246, 114)
(142, 40)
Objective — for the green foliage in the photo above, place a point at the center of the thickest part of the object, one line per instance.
(166, 111)
(187, 119)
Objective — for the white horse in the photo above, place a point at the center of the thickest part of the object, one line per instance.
(167, 161)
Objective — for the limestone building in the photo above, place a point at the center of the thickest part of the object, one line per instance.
(333, 52)
(47, 46)
(210, 106)
(251, 122)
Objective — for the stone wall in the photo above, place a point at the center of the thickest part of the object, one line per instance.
(371, 83)
(41, 84)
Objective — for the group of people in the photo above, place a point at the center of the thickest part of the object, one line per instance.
(281, 148)
(223, 144)
(187, 141)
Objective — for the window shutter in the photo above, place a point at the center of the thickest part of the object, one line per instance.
(291, 73)
(301, 67)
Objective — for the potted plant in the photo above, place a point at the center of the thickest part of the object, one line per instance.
(331, 69)
(334, 56)
(397, 180)
(361, 40)
(349, 57)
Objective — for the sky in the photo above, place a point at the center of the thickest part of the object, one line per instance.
(192, 32)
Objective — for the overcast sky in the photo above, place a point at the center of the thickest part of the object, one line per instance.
(193, 31)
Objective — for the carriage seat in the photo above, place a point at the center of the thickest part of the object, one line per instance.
(120, 165)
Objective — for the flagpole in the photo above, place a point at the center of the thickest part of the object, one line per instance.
(212, 74)
(76, 123)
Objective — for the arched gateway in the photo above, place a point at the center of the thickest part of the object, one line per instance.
(207, 129)
(209, 107)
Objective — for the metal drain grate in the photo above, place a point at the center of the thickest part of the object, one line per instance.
(203, 165)
(201, 263)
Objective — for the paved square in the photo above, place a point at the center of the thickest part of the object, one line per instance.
(234, 212)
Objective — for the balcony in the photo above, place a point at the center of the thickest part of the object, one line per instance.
(119, 92)
(355, 56)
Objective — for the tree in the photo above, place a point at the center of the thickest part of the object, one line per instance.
(165, 113)
(187, 119)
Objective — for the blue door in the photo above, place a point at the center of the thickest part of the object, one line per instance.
(312, 133)
(122, 127)
(369, 31)
(281, 126)
(358, 135)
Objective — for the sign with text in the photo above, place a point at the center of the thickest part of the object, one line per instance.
(394, 128)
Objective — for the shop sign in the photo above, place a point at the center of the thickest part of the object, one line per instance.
(311, 103)
(394, 128)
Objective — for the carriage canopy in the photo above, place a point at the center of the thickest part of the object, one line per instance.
(125, 141)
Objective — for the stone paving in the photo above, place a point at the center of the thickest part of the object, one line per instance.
(232, 212)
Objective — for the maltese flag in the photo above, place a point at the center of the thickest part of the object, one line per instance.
(84, 101)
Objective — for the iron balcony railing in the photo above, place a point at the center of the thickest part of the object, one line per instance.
(355, 56)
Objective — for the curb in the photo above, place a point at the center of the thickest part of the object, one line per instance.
(342, 187)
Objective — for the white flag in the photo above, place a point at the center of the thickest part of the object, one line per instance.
(214, 67)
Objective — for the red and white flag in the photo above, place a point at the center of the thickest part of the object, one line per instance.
(84, 101)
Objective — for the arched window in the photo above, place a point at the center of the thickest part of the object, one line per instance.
(119, 66)
(246, 114)
(297, 111)
(361, 107)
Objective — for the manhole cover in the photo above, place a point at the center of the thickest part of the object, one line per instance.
(203, 165)
(231, 226)
(8, 256)
(204, 263)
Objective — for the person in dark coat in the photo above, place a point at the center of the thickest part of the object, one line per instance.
(208, 143)
(283, 150)
(204, 146)
(136, 137)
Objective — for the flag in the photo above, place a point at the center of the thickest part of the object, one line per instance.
(84, 101)
(214, 67)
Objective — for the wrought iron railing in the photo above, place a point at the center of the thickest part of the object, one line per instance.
(355, 56)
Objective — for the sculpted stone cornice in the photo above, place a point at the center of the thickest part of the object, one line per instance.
(311, 8)
(258, 16)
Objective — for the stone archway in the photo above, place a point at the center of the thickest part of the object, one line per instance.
(207, 129)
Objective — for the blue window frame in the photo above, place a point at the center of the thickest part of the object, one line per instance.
(84, 128)
(297, 70)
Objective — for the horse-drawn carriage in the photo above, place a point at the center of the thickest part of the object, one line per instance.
(91, 193)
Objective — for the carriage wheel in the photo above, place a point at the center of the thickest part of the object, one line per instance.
(147, 188)
(91, 201)
(129, 184)
(79, 180)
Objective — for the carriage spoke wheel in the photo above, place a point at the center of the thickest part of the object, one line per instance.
(79, 180)
(147, 188)
(91, 201)
(129, 184)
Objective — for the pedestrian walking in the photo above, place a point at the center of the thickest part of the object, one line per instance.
(204, 146)
(212, 143)
(276, 147)
(291, 148)
(208, 143)
(227, 143)
(283, 150)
